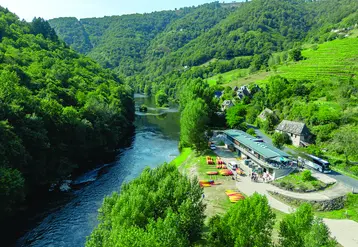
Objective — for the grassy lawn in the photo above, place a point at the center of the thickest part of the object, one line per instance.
(350, 210)
(182, 157)
(296, 182)
(238, 77)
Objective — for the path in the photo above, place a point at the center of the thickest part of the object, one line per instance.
(345, 231)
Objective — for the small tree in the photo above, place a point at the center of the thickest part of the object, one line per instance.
(161, 98)
(251, 131)
(296, 54)
(278, 140)
(306, 175)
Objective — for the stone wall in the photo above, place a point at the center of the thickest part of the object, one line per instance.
(319, 205)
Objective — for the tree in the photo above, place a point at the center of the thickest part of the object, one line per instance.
(193, 124)
(248, 223)
(301, 228)
(161, 98)
(296, 54)
(306, 175)
(319, 235)
(235, 116)
(295, 226)
(251, 131)
(345, 141)
(280, 139)
(161, 207)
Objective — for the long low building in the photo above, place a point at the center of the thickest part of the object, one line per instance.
(271, 159)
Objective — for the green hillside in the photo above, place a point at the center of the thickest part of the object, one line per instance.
(59, 111)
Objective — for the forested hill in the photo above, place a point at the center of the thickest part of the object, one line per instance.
(124, 42)
(58, 110)
(158, 43)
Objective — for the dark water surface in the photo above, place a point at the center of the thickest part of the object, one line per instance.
(155, 141)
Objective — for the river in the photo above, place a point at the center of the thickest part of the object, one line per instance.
(155, 141)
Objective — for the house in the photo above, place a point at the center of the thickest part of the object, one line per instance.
(226, 105)
(236, 88)
(265, 113)
(242, 92)
(218, 94)
(266, 159)
(297, 131)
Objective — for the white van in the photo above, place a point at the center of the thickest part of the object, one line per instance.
(232, 165)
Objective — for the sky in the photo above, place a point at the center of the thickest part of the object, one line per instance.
(48, 9)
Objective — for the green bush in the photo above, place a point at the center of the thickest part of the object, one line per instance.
(283, 184)
(316, 185)
(289, 186)
(251, 131)
(306, 175)
(354, 170)
(302, 187)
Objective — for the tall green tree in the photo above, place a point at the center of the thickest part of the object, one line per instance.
(248, 223)
(194, 121)
(235, 116)
(302, 229)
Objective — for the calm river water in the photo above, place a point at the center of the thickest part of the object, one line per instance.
(155, 141)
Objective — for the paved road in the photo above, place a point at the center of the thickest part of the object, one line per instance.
(347, 181)
(343, 230)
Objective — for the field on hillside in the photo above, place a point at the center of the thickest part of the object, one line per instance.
(237, 77)
(335, 59)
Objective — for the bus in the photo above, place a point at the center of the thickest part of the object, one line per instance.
(314, 162)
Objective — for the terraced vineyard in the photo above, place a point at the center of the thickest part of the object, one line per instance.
(335, 59)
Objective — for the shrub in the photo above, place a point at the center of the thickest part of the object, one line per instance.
(317, 185)
(251, 131)
(302, 187)
(354, 170)
(283, 184)
(289, 186)
(306, 175)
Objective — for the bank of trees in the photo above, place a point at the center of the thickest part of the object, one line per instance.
(59, 111)
(163, 208)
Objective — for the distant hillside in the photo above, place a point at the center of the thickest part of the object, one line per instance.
(155, 44)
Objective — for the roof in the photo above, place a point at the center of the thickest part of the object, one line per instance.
(297, 128)
(227, 102)
(264, 149)
(264, 113)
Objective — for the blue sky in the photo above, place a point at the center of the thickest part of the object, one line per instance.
(27, 9)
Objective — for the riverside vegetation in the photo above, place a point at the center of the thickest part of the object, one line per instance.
(59, 111)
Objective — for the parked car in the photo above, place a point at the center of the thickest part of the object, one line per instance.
(212, 147)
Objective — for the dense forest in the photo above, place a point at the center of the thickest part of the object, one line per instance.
(59, 111)
(194, 44)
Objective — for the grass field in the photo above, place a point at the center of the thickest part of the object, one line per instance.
(350, 210)
(334, 59)
(324, 62)
(296, 182)
(237, 77)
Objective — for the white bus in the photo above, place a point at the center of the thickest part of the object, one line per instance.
(314, 162)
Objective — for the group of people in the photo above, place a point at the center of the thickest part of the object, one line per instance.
(265, 177)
